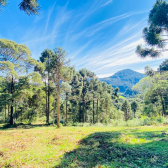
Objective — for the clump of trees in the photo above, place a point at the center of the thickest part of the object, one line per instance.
(154, 90)
(54, 89)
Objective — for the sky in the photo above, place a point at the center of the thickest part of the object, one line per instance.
(100, 35)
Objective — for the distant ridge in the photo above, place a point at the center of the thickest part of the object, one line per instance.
(124, 79)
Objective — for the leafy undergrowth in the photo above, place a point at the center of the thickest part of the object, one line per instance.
(45, 146)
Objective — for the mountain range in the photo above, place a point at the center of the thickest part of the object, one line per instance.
(124, 79)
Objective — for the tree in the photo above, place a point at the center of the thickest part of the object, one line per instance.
(76, 92)
(31, 7)
(157, 93)
(94, 90)
(134, 107)
(4, 94)
(86, 74)
(3, 3)
(45, 58)
(58, 70)
(14, 58)
(163, 66)
(149, 71)
(126, 109)
(155, 34)
(143, 85)
(67, 89)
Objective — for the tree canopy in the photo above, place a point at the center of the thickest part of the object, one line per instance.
(155, 35)
(30, 7)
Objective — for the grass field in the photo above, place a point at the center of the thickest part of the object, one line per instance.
(42, 146)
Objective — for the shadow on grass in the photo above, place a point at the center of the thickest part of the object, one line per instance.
(22, 126)
(108, 149)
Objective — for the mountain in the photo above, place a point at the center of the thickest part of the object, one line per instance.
(124, 79)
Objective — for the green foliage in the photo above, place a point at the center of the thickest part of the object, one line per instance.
(164, 66)
(154, 34)
(143, 85)
(30, 7)
(54, 86)
(3, 3)
(134, 107)
(126, 108)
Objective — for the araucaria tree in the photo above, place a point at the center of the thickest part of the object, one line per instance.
(58, 71)
(134, 107)
(67, 89)
(155, 35)
(45, 58)
(86, 75)
(126, 109)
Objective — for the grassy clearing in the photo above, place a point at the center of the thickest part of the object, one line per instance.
(35, 146)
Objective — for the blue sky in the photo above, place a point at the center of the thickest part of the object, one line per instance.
(100, 35)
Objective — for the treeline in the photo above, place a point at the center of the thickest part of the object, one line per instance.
(53, 89)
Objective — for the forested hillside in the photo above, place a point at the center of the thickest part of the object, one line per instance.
(124, 79)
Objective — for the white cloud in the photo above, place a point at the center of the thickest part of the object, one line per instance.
(107, 3)
(105, 75)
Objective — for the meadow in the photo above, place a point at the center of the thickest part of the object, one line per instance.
(38, 146)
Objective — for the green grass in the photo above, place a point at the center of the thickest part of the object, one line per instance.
(45, 146)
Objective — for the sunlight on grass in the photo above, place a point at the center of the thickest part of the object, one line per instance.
(130, 139)
(50, 147)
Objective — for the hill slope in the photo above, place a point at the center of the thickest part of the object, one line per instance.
(124, 79)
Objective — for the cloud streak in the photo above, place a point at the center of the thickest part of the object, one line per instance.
(100, 40)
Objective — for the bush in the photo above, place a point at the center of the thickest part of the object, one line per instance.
(144, 120)
(160, 119)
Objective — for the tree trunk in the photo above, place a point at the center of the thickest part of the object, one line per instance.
(11, 115)
(8, 110)
(58, 100)
(21, 115)
(12, 91)
(48, 112)
(126, 115)
(46, 101)
(83, 104)
(66, 108)
(5, 111)
(79, 112)
(93, 111)
(97, 110)
(163, 106)
(15, 112)
(83, 109)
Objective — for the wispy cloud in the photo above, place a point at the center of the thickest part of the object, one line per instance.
(107, 3)
(48, 17)
(102, 42)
